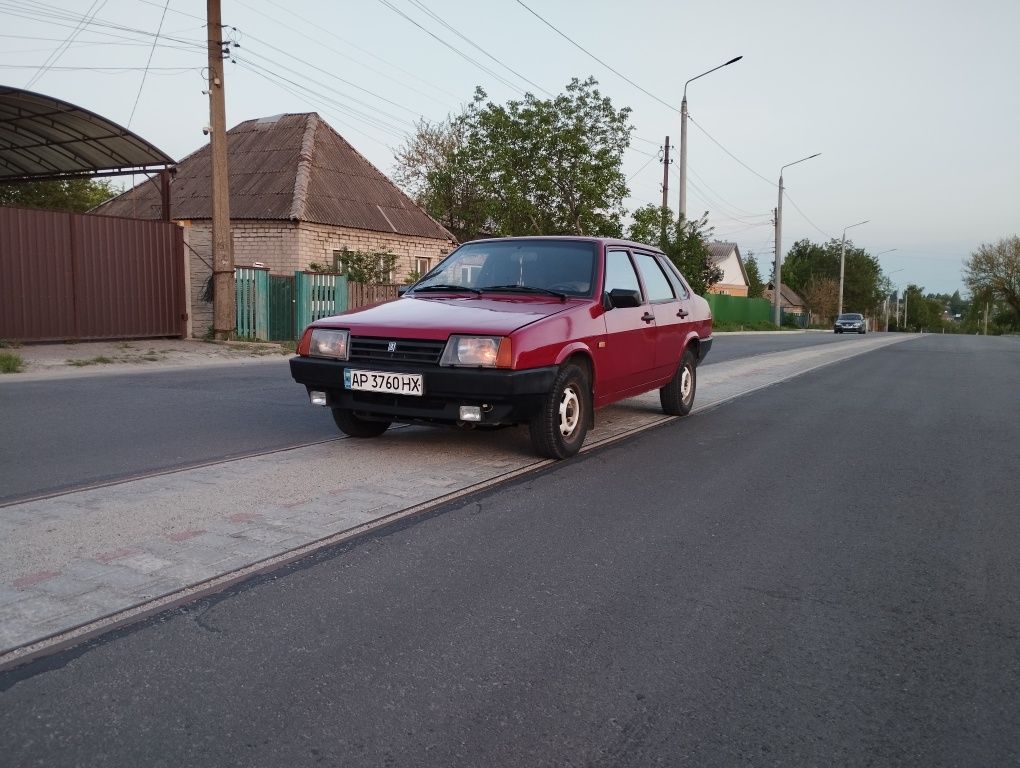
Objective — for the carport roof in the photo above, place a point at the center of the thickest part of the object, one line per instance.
(45, 138)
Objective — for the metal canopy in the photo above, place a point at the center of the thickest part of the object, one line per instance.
(45, 138)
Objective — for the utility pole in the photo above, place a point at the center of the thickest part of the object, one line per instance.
(842, 263)
(986, 318)
(224, 298)
(665, 187)
(777, 289)
(906, 295)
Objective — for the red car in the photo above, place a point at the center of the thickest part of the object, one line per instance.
(529, 330)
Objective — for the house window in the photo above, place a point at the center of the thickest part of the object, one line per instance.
(338, 264)
(422, 264)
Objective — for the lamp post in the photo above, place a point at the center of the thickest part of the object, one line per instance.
(683, 136)
(887, 295)
(777, 291)
(842, 263)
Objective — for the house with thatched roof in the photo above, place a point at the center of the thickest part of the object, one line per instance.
(299, 194)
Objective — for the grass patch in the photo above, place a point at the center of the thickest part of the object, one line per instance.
(10, 362)
(98, 360)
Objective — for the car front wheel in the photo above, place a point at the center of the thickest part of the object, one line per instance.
(558, 431)
(677, 397)
(353, 426)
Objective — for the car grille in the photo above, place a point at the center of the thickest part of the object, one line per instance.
(423, 352)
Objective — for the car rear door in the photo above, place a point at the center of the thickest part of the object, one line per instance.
(669, 313)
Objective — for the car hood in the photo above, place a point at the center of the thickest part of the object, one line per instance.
(436, 317)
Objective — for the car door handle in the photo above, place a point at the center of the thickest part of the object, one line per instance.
(648, 317)
(682, 312)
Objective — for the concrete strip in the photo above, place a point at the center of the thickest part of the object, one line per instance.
(152, 537)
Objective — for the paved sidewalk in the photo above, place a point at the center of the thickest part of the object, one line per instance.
(61, 360)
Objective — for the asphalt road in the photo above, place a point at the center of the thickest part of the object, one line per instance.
(825, 572)
(58, 435)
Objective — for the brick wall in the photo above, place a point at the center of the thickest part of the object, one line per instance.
(318, 241)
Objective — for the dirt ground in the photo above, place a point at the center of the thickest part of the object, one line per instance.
(58, 360)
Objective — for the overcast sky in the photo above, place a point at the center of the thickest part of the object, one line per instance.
(914, 104)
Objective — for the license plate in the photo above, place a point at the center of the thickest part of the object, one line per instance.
(377, 381)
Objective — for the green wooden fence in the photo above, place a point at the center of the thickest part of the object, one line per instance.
(739, 309)
(317, 295)
(252, 291)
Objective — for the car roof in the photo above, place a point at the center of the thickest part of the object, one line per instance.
(608, 241)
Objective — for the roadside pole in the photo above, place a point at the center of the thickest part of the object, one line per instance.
(224, 298)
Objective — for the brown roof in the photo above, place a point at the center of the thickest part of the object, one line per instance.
(290, 167)
(789, 297)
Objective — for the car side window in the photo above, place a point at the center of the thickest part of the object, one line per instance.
(656, 283)
(674, 277)
(620, 272)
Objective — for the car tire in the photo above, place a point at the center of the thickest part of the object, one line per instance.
(353, 426)
(559, 429)
(837, 331)
(677, 397)
(863, 332)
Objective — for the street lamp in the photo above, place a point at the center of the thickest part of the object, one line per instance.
(683, 136)
(777, 311)
(887, 295)
(842, 262)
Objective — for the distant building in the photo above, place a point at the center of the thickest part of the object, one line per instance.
(299, 194)
(734, 281)
(789, 300)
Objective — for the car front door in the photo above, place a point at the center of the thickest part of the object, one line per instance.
(627, 360)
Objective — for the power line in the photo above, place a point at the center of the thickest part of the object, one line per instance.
(54, 57)
(741, 162)
(650, 160)
(453, 48)
(357, 61)
(472, 43)
(787, 196)
(148, 63)
(592, 55)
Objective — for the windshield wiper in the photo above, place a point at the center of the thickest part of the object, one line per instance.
(445, 287)
(524, 289)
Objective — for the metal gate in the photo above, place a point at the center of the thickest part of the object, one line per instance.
(68, 276)
(281, 308)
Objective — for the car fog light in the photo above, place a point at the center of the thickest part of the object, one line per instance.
(317, 398)
(470, 413)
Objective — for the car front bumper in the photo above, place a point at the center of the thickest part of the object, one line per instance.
(848, 328)
(504, 396)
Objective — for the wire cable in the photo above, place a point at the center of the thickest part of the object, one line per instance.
(741, 162)
(592, 55)
(54, 57)
(148, 63)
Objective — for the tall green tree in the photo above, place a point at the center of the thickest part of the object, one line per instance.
(684, 242)
(993, 273)
(862, 289)
(755, 284)
(528, 167)
(74, 195)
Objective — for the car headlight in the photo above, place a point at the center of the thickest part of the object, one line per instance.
(329, 343)
(477, 352)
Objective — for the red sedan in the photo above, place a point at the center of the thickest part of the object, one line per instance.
(530, 330)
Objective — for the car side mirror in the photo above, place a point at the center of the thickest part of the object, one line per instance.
(624, 297)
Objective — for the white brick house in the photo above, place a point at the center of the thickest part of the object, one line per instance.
(298, 193)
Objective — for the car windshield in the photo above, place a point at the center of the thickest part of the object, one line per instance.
(541, 267)
(851, 317)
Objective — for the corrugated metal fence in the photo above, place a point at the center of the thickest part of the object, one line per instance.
(66, 276)
(738, 309)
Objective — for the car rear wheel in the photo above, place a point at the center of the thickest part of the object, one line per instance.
(354, 426)
(558, 431)
(677, 397)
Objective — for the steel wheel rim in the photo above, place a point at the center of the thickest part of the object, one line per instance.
(686, 383)
(570, 412)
